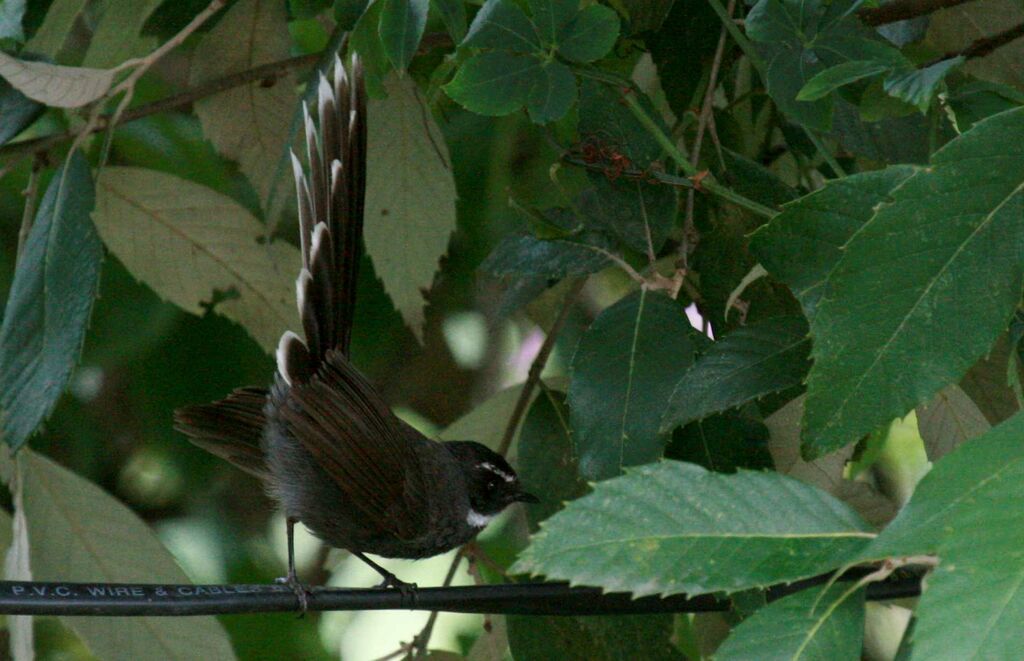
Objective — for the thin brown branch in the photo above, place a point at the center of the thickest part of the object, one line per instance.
(31, 194)
(903, 9)
(982, 47)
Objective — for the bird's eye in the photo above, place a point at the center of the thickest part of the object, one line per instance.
(491, 484)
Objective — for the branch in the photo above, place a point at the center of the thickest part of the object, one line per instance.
(900, 10)
(983, 46)
(126, 600)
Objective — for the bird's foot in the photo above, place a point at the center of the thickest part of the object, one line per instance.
(302, 592)
(392, 581)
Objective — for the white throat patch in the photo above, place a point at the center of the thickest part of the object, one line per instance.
(478, 520)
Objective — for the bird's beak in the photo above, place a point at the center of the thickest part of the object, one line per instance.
(523, 497)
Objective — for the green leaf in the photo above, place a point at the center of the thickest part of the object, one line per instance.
(11, 13)
(550, 16)
(50, 302)
(78, 532)
(831, 79)
(546, 460)
(621, 377)
(722, 443)
(604, 116)
(753, 180)
(366, 41)
(639, 213)
(553, 93)
(203, 254)
(519, 255)
(802, 245)
(948, 420)
(502, 24)
(17, 111)
(249, 124)
(978, 99)
(807, 625)
(671, 527)
(645, 15)
(57, 25)
(495, 83)
(118, 34)
(401, 27)
(882, 333)
(594, 638)
(750, 362)
(590, 35)
(453, 15)
(918, 86)
(53, 85)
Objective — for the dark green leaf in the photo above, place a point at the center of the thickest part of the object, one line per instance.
(553, 93)
(519, 255)
(496, 83)
(550, 16)
(903, 139)
(621, 638)
(802, 245)
(948, 247)
(49, 304)
(689, 34)
(11, 13)
(753, 180)
(722, 443)
(453, 14)
(502, 24)
(17, 111)
(347, 12)
(606, 120)
(401, 27)
(646, 15)
(672, 527)
(831, 79)
(622, 375)
(979, 99)
(547, 458)
(808, 625)
(590, 35)
(641, 214)
(918, 86)
(749, 362)
(367, 42)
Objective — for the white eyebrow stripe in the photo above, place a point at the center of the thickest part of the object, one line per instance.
(497, 471)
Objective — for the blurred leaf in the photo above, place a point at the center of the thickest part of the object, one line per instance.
(987, 385)
(620, 638)
(978, 99)
(495, 83)
(348, 12)
(17, 111)
(831, 79)
(11, 13)
(948, 420)
(78, 532)
(722, 443)
(808, 625)
(198, 249)
(117, 36)
(955, 28)
(670, 527)
(749, 362)
(366, 41)
(401, 27)
(590, 35)
(53, 85)
(641, 214)
(882, 335)
(550, 16)
(802, 245)
(502, 24)
(646, 15)
(249, 124)
(518, 255)
(410, 197)
(487, 421)
(689, 34)
(453, 14)
(621, 379)
(56, 27)
(918, 86)
(50, 301)
(553, 93)
(547, 463)
(612, 126)
(904, 139)
(755, 181)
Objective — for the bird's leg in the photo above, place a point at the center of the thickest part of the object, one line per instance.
(390, 580)
(292, 579)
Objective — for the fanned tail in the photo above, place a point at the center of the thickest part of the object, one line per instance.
(230, 428)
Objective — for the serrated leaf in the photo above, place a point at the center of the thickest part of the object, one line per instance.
(453, 15)
(519, 255)
(608, 638)
(553, 93)
(590, 35)
(808, 625)
(249, 124)
(882, 335)
(671, 527)
(17, 111)
(117, 36)
(502, 24)
(56, 26)
(749, 362)
(49, 304)
(78, 532)
(54, 85)
(495, 83)
(948, 420)
(831, 79)
(401, 27)
(198, 249)
(802, 245)
(918, 86)
(621, 377)
(410, 197)
(550, 16)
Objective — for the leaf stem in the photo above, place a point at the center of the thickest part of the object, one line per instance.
(825, 153)
(741, 39)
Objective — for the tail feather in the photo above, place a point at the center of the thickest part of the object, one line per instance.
(231, 428)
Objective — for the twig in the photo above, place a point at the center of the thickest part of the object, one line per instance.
(900, 10)
(422, 639)
(31, 194)
(981, 47)
(650, 176)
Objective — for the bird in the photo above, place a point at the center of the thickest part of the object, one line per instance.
(321, 438)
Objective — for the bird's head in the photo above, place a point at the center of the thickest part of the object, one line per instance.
(491, 483)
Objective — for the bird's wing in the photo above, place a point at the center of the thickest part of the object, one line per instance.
(355, 438)
(230, 428)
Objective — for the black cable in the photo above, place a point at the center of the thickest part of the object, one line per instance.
(41, 598)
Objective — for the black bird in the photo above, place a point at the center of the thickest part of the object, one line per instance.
(324, 442)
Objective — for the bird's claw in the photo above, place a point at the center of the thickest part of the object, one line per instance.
(392, 581)
(301, 591)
